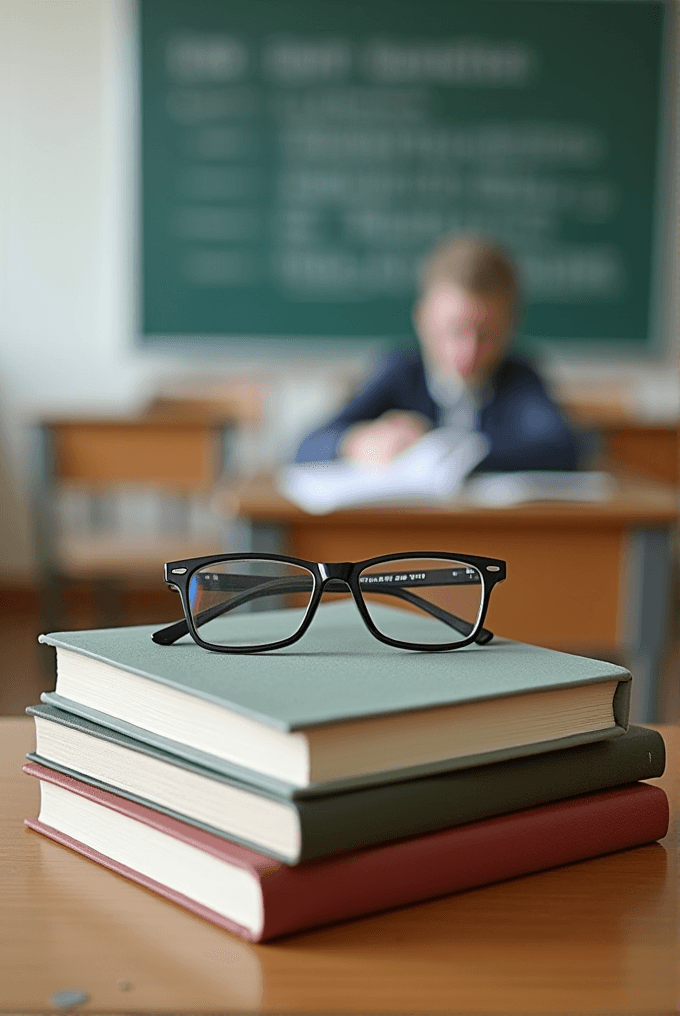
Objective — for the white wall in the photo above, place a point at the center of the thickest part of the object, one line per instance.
(67, 95)
(67, 100)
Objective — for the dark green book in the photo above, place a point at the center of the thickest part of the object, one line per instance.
(298, 830)
(338, 708)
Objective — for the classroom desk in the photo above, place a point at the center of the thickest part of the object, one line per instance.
(652, 449)
(588, 577)
(599, 936)
(629, 440)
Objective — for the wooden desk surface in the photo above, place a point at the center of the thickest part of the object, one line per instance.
(598, 937)
(635, 501)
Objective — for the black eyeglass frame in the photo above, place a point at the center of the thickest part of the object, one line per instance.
(328, 577)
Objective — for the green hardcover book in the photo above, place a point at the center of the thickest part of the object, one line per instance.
(338, 708)
(294, 830)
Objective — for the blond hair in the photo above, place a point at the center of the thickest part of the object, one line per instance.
(475, 264)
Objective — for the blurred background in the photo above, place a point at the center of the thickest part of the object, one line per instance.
(212, 219)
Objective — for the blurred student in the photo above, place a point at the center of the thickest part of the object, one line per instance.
(463, 377)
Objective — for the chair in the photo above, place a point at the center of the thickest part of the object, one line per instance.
(116, 497)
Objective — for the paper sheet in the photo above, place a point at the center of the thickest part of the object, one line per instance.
(433, 469)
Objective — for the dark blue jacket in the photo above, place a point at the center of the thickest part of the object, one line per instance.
(525, 427)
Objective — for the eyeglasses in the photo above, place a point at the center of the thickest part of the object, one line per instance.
(449, 593)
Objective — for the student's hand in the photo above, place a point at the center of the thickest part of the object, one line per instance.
(384, 439)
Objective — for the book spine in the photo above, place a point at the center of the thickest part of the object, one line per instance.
(477, 854)
(362, 818)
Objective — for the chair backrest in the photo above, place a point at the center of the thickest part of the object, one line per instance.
(179, 454)
(118, 495)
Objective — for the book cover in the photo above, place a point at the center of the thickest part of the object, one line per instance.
(320, 694)
(265, 899)
(312, 827)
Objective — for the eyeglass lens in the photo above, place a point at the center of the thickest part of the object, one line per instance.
(446, 596)
(227, 589)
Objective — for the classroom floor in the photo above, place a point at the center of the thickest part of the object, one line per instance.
(27, 667)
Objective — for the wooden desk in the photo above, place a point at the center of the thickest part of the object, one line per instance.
(597, 937)
(581, 577)
(651, 449)
(629, 440)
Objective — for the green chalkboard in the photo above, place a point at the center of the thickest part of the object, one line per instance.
(300, 156)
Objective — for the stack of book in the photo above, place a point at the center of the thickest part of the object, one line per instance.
(275, 792)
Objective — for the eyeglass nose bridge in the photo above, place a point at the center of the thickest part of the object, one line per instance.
(336, 570)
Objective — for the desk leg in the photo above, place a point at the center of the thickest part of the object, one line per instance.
(647, 617)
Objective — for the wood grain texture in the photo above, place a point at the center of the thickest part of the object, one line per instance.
(598, 937)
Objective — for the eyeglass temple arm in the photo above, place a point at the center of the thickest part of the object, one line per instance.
(166, 636)
(452, 620)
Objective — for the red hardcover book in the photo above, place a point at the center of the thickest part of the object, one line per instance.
(259, 898)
